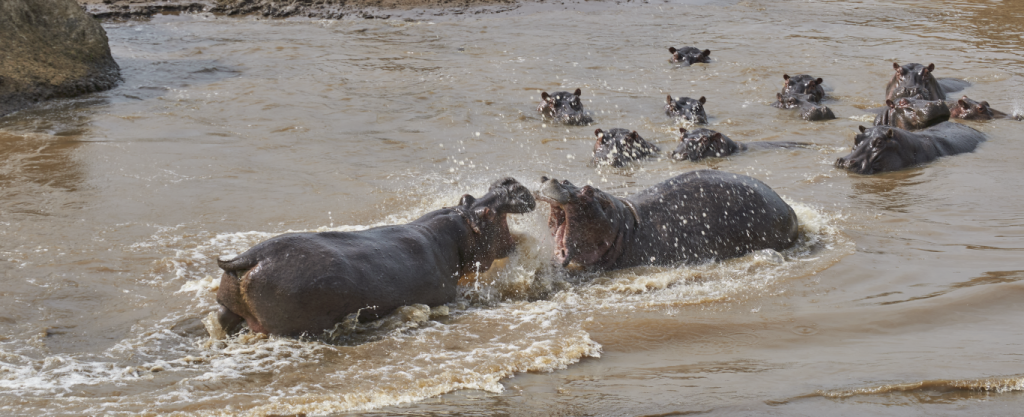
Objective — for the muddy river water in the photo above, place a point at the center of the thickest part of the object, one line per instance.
(903, 296)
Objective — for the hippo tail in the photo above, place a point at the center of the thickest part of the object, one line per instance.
(243, 262)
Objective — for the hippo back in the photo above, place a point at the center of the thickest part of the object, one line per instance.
(704, 215)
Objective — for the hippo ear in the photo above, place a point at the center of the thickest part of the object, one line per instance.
(599, 133)
(890, 104)
(889, 133)
(544, 96)
(818, 81)
(577, 93)
(671, 49)
(633, 137)
(467, 200)
(983, 104)
(587, 191)
(706, 52)
(963, 103)
(931, 67)
(717, 137)
(778, 96)
(896, 66)
(668, 99)
(702, 100)
(785, 77)
(862, 129)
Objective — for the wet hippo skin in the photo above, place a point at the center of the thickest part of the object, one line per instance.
(565, 107)
(695, 217)
(700, 143)
(617, 147)
(687, 108)
(299, 283)
(884, 148)
(918, 81)
(688, 55)
(913, 114)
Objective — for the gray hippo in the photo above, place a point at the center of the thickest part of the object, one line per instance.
(689, 55)
(917, 81)
(299, 283)
(803, 84)
(687, 108)
(564, 107)
(695, 217)
(809, 109)
(913, 113)
(617, 147)
(884, 148)
(701, 143)
(968, 109)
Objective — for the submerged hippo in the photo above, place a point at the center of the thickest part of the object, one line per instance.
(917, 81)
(564, 107)
(689, 55)
(884, 148)
(701, 143)
(616, 147)
(968, 109)
(809, 109)
(306, 282)
(803, 84)
(695, 217)
(913, 114)
(687, 108)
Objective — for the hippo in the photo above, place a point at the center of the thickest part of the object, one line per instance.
(703, 143)
(689, 55)
(885, 148)
(687, 108)
(617, 147)
(968, 109)
(810, 110)
(564, 107)
(917, 81)
(696, 217)
(803, 84)
(913, 114)
(299, 283)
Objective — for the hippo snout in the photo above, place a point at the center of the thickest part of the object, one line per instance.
(553, 190)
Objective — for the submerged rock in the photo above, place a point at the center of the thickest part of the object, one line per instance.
(51, 49)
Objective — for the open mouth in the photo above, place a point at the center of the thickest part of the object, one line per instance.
(558, 223)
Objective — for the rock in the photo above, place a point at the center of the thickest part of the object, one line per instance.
(51, 49)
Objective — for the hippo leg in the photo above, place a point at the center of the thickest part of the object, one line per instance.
(228, 320)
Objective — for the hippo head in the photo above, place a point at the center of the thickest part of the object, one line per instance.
(810, 110)
(490, 238)
(689, 55)
(803, 84)
(913, 114)
(914, 81)
(687, 108)
(564, 106)
(702, 143)
(875, 149)
(617, 146)
(966, 108)
(589, 225)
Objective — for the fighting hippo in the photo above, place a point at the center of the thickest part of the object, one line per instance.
(968, 109)
(687, 108)
(695, 217)
(616, 147)
(913, 114)
(701, 143)
(809, 109)
(689, 55)
(306, 282)
(917, 81)
(803, 84)
(564, 107)
(884, 148)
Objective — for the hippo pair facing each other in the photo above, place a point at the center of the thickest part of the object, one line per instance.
(695, 217)
(299, 283)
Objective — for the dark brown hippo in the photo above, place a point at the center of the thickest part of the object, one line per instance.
(701, 143)
(968, 109)
(617, 147)
(913, 114)
(803, 84)
(687, 108)
(809, 110)
(299, 283)
(917, 81)
(564, 107)
(689, 55)
(884, 148)
(695, 217)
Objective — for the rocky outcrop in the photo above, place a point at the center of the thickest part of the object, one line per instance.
(51, 49)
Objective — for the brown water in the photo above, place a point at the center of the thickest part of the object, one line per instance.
(902, 298)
